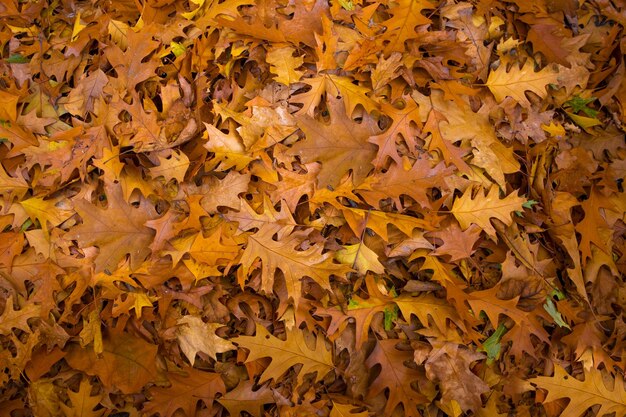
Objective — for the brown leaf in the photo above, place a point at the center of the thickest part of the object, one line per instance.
(117, 230)
(187, 387)
(396, 376)
(340, 147)
(449, 366)
(127, 362)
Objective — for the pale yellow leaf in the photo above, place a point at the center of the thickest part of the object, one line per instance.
(195, 336)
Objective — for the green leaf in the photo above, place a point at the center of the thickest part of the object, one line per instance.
(178, 48)
(391, 315)
(28, 223)
(579, 104)
(558, 294)
(529, 204)
(17, 59)
(550, 307)
(346, 4)
(492, 346)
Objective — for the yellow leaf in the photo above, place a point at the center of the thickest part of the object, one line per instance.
(190, 15)
(228, 150)
(517, 81)
(481, 209)
(142, 300)
(352, 94)
(283, 64)
(46, 211)
(363, 258)
(451, 408)
(117, 31)
(554, 130)
(583, 121)
(177, 48)
(345, 410)
(78, 26)
(506, 45)
(110, 164)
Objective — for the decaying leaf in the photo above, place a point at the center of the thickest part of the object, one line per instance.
(195, 336)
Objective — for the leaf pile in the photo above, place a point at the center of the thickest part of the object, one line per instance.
(312, 208)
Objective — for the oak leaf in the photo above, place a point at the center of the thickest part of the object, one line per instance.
(334, 86)
(594, 228)
(451, 154)
(11, 187)
(429, 308)
(218, 249)
(457, 243)
(345, 410)
(17, 319)
(361, 258)
(244, 398)
(481, 209)
(117, 230)
(81, 99)
(379, 222)
(188, 386)
(414, 182)
(46, 211)
(127, 362)
(461, 123)
(284, 64)
(584, 394)
(130, 65)
(294, 264)
(83, 403)
(406, 15)
(404, 122)
(17, 136)
(287, 353)
(515, 82)
(228, 149)
(449, 366)
(340, 146)
(526, 323)
(195, 336)
(359, 310)
(397, 377)
(224, 192)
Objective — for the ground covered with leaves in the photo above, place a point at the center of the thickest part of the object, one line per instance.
(312, 208)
